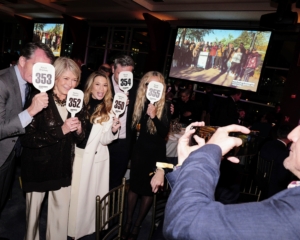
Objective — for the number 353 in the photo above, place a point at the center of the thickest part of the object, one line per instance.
(43, 78)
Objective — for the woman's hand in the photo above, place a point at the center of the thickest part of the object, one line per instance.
(151, 110)
(79, 128)
(71, 125)
(157, 180)
(116, 125)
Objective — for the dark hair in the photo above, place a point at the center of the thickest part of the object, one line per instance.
(283, 131)
(124, 61)
(105, 69)
(31, 47)
(186, 91)
(236, 92)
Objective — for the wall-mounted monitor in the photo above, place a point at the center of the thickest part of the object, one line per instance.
(229, 58)
(49, 33)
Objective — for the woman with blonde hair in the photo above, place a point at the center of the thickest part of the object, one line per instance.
(91, 166)
(149, 149)
(48, 155)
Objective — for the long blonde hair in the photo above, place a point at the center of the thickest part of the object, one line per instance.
(141, 99)
(103, 109)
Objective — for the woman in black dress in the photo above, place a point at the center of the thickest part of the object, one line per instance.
(149, 149)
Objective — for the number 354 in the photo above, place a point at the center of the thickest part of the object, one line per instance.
(74, 102)
(43, 78)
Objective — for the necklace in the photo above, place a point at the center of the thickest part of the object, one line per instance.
(62, 103)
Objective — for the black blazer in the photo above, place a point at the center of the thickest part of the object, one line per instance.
(48, 154)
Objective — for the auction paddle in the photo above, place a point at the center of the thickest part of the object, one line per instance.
(74, 101)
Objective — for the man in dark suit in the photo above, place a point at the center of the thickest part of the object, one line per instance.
(13, 118)
(228, 188)
(193, 213)
(228, 113)
(276, 151)
(85, 72)
(119, 150)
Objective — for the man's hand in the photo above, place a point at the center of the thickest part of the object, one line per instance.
(225, 142)
(183, 148)
(71, 125)
(39, 102)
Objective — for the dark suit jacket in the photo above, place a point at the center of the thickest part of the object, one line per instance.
(85, 73)
(48, 154)
(280, 177)
(193, 213)
(10, 107)
(228, 112)
(130, 108)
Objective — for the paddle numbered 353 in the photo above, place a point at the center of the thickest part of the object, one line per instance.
(43, 76)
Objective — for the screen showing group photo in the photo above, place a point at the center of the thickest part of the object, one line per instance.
(51, 34)
(229, 58)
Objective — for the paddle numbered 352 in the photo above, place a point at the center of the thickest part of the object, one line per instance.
(74, 101)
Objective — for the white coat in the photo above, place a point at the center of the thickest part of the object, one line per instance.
(94, 176)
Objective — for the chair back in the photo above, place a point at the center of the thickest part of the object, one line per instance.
(109, 213)
(263, 174)
(158, 209)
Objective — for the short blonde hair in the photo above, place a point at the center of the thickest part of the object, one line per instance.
(63, 64)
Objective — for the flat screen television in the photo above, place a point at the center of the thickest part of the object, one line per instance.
(229, 58)
(51, 34)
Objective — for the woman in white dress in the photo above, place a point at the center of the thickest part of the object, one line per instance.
(91, 166)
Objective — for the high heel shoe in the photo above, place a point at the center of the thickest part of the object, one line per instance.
(135, 232)
(126, 231)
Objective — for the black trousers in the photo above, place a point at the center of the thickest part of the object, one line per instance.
(6, 176)
(119, 155)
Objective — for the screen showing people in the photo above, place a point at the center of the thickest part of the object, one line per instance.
(230, 58)
(50, 34)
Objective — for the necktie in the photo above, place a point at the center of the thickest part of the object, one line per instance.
(18, 146)
(27, 95)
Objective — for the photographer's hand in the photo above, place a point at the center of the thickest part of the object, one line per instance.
(183, 147)
(226, 142)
